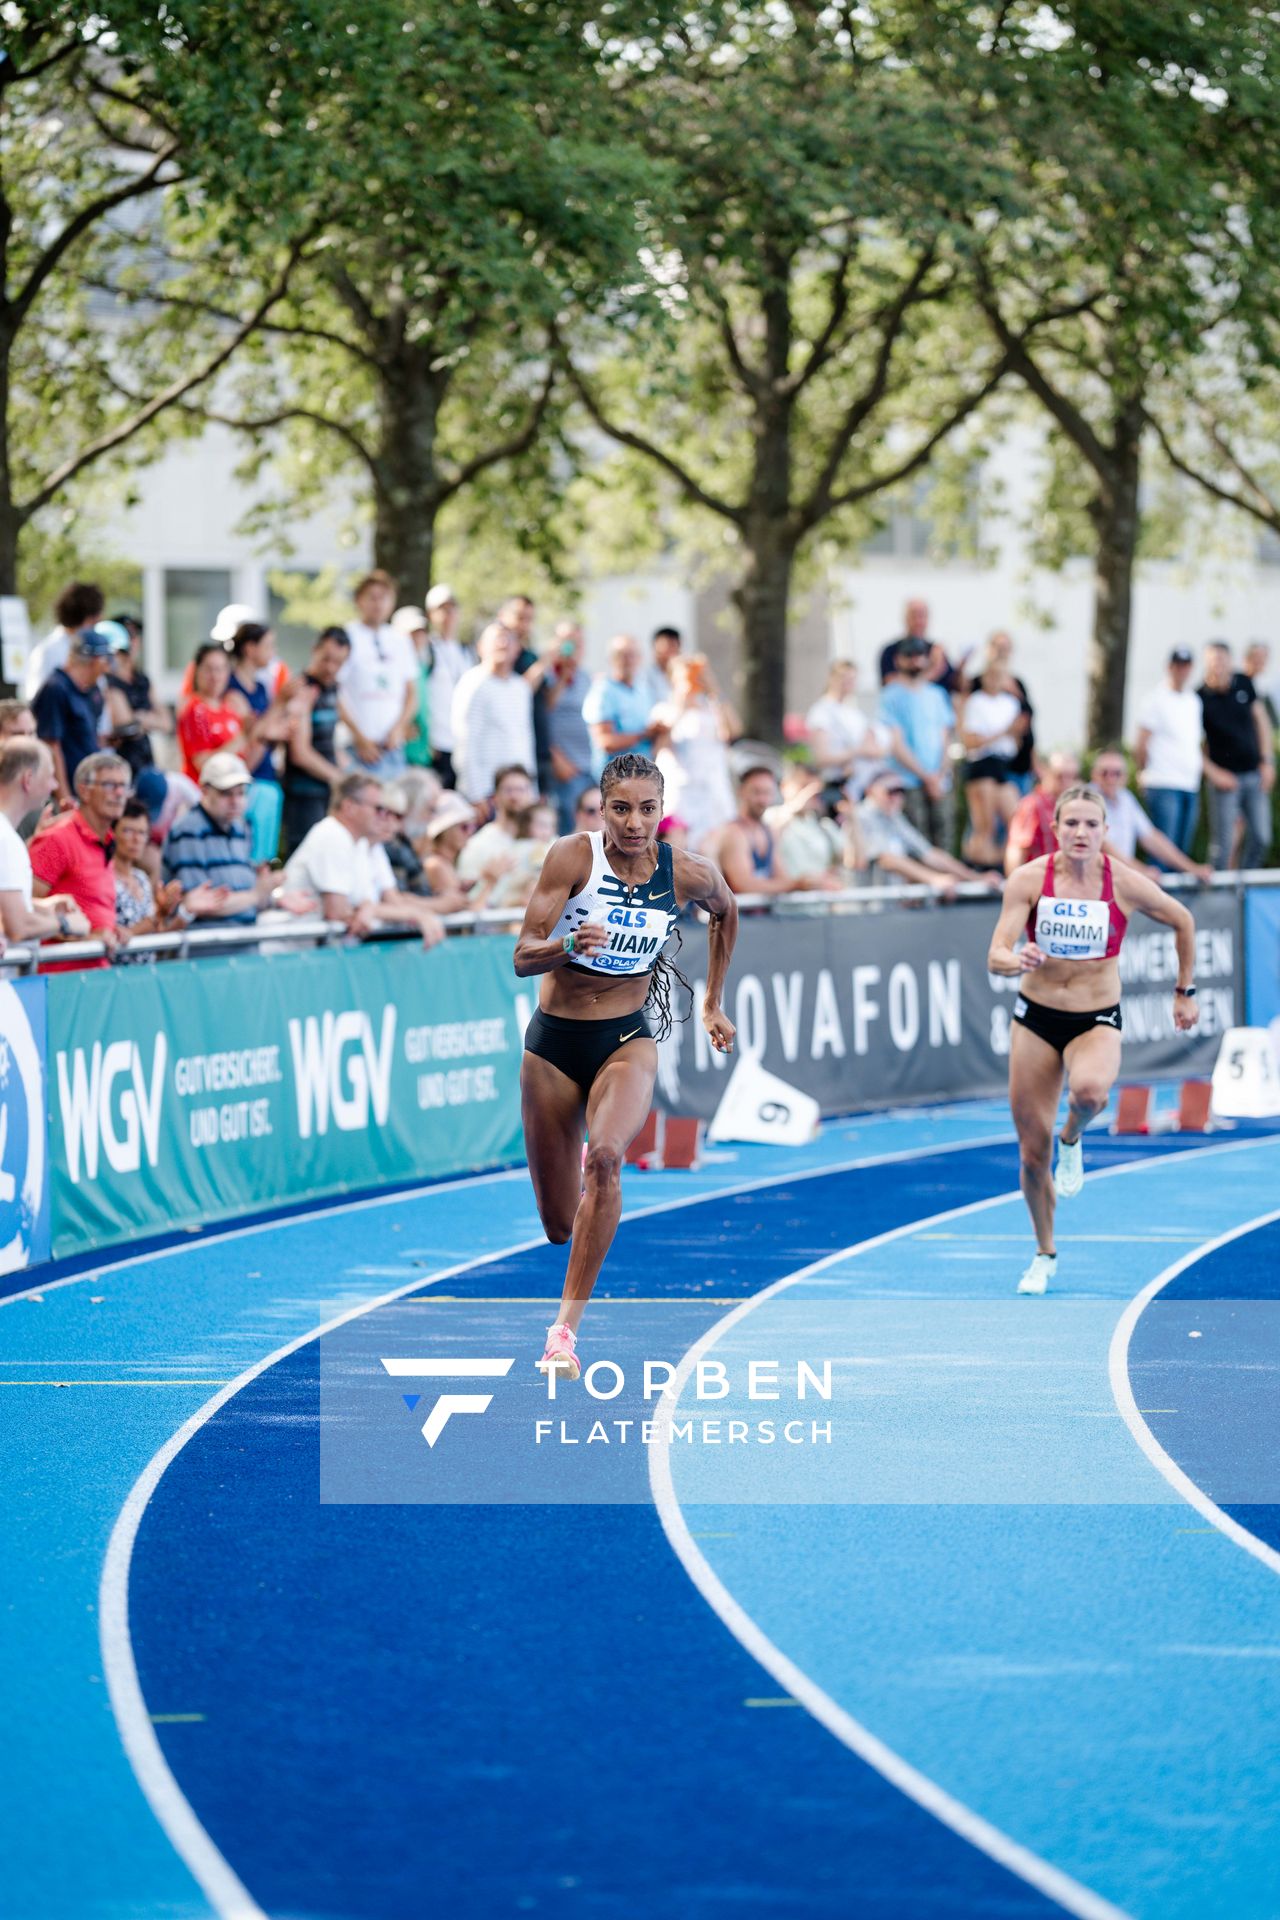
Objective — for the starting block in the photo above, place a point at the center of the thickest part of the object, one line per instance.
(1134, 1110)
(667, 1141)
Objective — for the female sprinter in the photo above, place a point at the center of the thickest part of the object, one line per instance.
(595, 928)
(1073, 906)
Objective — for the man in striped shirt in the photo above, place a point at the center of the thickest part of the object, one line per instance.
(211, 847)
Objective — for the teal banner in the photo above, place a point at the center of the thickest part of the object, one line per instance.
(24, 1159)
(181, 1095)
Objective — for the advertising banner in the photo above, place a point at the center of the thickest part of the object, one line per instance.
(878, 1009)
(24, 1164)
(1262, 955)
(184, 1094)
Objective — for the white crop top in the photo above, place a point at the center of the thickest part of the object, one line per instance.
(638, 919)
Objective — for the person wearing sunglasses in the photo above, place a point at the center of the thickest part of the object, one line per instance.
(73, 855)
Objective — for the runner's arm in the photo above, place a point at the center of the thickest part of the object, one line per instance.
(702, 884)
(563, 872)
(1021, 892)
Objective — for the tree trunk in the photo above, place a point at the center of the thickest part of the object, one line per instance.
(761, 598)
(10, 518)
(1114, 512)
(407, 484)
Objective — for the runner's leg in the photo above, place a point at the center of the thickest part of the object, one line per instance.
(1092, 1063)
(620, 1099)
(552, 1108)
(1035, 1085)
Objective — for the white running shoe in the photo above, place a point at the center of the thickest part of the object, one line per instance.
(1042, 1270)
(1068, 1175)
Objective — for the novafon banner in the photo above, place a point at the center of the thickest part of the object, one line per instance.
(183, 1094)
(24, 1168)
(872, 1009)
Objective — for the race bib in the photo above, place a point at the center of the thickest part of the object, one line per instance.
(637, 936)
(1073, 929)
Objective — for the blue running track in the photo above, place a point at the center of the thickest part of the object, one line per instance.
(986, 1660)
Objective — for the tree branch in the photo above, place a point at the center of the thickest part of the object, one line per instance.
(355, 303)
(171, 395)
(1067, 415)
(818, 504)
(627, 438)
(905, 468)
(50, 60)
(752, 381)
(1262, 508)
(89, 214)
(506, 449)
(265, 422)
(821, 350)
(148, 297)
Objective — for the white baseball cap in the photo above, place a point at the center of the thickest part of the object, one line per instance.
(224, 627)
(440, 596)
(409, 620)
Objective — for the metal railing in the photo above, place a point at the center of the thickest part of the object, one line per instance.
(283, 930)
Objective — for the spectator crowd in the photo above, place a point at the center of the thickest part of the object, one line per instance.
(405, 773)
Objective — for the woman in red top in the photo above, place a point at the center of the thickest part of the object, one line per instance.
(207, 724)
(1073, 907)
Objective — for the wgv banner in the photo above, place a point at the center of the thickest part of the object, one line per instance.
(874, 1009)
(184, 1094)
(24, 1166)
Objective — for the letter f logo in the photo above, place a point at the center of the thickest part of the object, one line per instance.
(449, 1403)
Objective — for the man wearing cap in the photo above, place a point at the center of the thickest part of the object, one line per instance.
(1167, 750)
(210, 846)
(449, 661)
(922, 713)
(69, 706)
(131, 712)
(73, 854)
(897, 850)
(79, 606)
(378, 686)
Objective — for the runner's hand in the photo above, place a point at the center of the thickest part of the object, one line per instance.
(1030, 957)
(591, 937)
(1186, 1013)
(720, 1028)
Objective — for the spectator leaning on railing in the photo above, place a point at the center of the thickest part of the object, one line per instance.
(1128, 824)
(140, 909)
(343, 866)
(746, 850)
(897, 848)
(26, 781)
(73, 853)
(209, 850)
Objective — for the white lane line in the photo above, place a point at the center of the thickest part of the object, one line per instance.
(224, 1891)
(1020, 1860)
(1118, 1367)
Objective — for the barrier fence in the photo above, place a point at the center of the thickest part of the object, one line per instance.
(135, 1100)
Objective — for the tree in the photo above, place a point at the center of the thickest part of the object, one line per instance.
(801, 256)
(89, 157)
(1132, 132)
(459, 173)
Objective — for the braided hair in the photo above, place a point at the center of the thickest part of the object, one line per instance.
(638, 766)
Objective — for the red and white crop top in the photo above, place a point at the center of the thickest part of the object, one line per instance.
(1066, 929)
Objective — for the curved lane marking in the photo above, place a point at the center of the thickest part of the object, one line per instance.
(1122, 1391)
(1020, 1860)
(224, 1891)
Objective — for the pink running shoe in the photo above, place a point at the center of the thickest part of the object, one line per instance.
(561, 1355)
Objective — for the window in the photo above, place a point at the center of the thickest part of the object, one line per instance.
(293, 637)
(193, 599)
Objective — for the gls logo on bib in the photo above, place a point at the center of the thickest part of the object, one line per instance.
(1073, 929)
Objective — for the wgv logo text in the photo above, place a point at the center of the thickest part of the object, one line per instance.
(111, 1104)
(341, 1073)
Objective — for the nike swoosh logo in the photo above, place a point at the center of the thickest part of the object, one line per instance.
(630, 1036)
